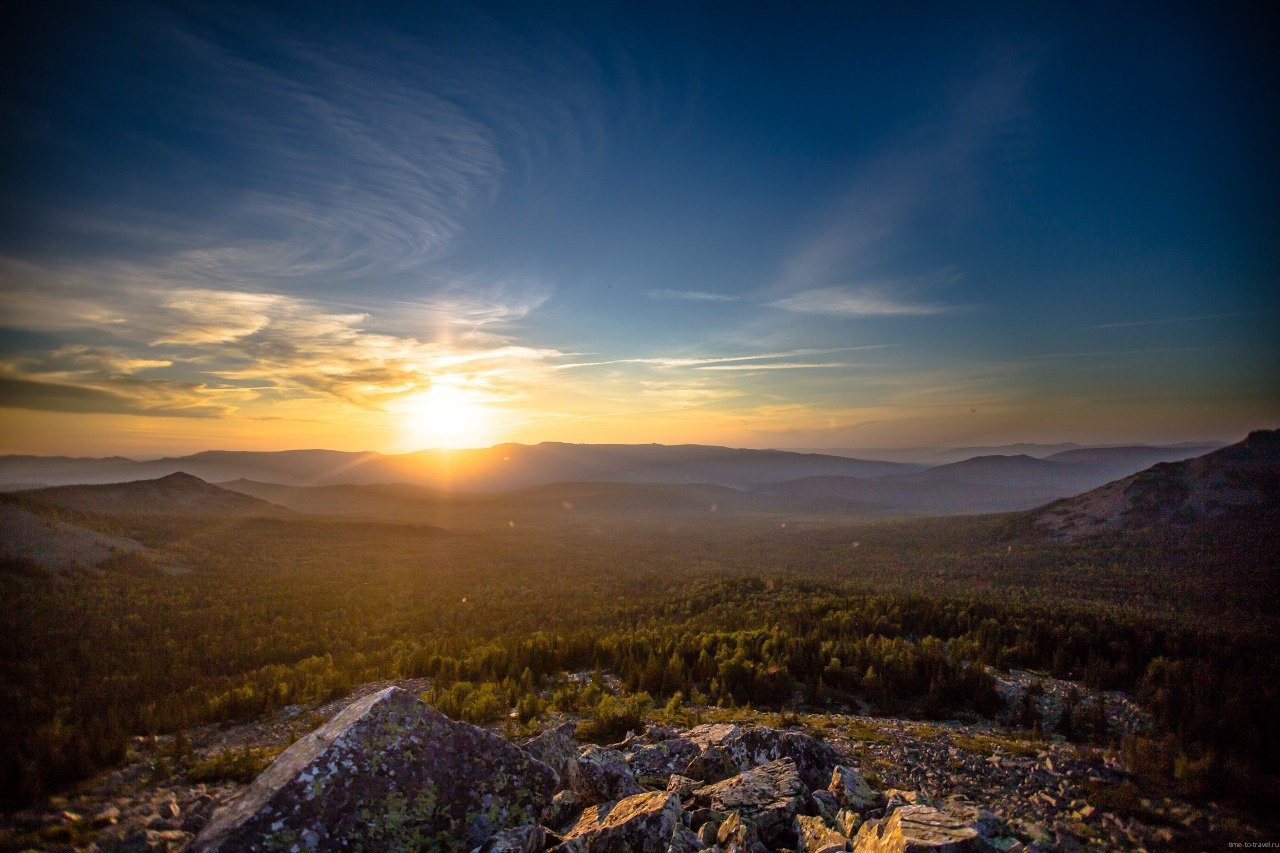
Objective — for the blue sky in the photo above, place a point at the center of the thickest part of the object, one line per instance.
(758, 225)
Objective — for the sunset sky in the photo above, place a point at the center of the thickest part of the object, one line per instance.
(788, 225)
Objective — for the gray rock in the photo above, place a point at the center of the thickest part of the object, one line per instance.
(769, 796)
(682, 785)
(814, 836)
(825, 805)
(654, 765)
(920, 829)
(684, 840)
(852, 791)
(601, 775)
(727, 749)
(735, 831)
(386, 772)
(564, 810)
(557, 749)
(529, 838)
(644, 823)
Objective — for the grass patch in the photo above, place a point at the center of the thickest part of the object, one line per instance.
(989, 744)
(858, 730)
(233, 765)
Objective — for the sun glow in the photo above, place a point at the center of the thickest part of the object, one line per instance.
(448, 415)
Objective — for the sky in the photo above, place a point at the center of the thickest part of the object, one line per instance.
(398, 226)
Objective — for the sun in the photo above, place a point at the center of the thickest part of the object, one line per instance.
(447, 415)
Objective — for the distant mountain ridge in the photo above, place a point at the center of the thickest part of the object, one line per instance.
(504, 467)
(174, 494)
(993, 483)
(1238, 484)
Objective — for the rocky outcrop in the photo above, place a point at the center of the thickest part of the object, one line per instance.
(387, 772)
(599, 775)
(557, 749)
(924, 829)
(655, 765)
(852, 792)
(769, 796)
(645, 823)
(726, 749)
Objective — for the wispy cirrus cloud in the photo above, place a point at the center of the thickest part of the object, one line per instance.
(665, 294)
(857, 302)
(1161, 321)
(872, 231)
(704, 361)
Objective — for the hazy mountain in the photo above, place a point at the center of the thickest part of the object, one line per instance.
(1239, 484)
(933, 456)
(986, 483)
(500, 468)
(1132, 456)
(175, 494)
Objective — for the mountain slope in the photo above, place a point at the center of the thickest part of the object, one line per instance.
(1238, 484)
(29, 538)
(504, 467)
(175, 494)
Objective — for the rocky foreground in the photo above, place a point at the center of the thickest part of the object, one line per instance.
(388, 772)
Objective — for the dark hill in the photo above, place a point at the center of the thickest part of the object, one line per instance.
(1238, 485)
(175, 494)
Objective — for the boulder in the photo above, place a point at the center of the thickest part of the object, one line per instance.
(645, 823)
(768, 796)
(814, 836)
(529, 838)
(387, 772)
(654, 765)
(601, 775)
(734, 831)
(895, 798)
(682, 785)
(852, 791)
(564, 810)
(726, 749)
(556, 748)
(824, 805)
(921, 829)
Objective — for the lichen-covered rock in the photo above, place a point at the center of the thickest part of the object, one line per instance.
(529, 838)
(682, 785)
(824, 805)
(894, 799)
(769, 796)
(921, 829)
(387, 772)
(726, 749)
(601, 775)
(684, 840)
(564, 810)
(557, 749)
(734, 831)
(852, 791)
(814, 836)
(654, 765)
(848, 822)
(644, 823)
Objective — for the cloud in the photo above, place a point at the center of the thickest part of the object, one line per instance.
(689, 295)
(856, 302)
(1163, 321)
(875, 228)
(783, 365)
(202, 352)
(700, 361)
